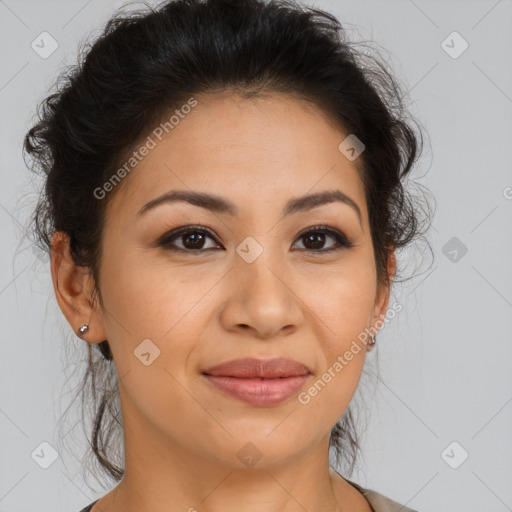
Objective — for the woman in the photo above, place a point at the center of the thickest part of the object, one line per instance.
(224, 198)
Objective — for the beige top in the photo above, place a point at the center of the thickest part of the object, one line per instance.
(378, 502)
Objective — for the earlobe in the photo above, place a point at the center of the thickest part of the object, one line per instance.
(72, 285)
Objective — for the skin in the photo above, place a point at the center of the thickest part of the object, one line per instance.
(182, 436)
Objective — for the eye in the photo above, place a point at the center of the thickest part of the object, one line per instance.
(316, 237)
(192, 237)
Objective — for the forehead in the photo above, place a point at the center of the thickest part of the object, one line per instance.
(249, 149)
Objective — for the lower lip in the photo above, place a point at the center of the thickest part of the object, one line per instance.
(259, 391)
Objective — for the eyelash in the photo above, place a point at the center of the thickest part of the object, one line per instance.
(341, 239)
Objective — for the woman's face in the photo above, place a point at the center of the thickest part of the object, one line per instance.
(261, 283)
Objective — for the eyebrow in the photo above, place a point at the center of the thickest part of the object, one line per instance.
(220, 205)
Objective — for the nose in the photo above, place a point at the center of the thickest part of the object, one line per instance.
(264, 298)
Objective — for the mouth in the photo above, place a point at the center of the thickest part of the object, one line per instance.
(258, 382)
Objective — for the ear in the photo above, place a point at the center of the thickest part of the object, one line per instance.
(73, 286)
(383, 293)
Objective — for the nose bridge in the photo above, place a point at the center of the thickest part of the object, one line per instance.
(262, 275)
(259, 259)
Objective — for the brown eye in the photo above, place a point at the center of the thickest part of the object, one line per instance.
(191, 238)
(314, 239)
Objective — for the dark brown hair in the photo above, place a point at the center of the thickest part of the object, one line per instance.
(151, 61)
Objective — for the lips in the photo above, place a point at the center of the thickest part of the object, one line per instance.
(258, 382)
(263, 368)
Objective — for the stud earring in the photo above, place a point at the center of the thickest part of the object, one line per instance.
(83, 329)
(372, 342)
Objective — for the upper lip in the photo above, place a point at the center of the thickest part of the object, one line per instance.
(263, 368)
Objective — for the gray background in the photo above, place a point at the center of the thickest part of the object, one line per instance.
(445, 361)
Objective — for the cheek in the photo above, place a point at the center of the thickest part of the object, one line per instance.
(337, 377)
(152, 321)
(149, 302)
(344, 305)
(343, 299)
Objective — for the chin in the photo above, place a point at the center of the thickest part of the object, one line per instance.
(260, 445)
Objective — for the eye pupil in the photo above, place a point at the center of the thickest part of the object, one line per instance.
(318, 240)
(198, 239)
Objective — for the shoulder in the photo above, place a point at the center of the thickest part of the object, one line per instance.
(88, 508)
(379, 502)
